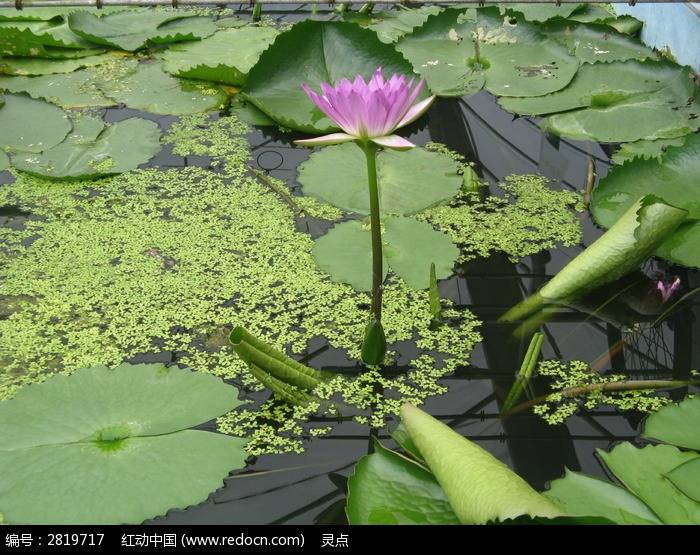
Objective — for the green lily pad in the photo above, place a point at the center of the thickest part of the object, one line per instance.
(387, 488)
(480, 488)
(31, 125)
(4, 161)
(409, 247)
(68, 90)
(582, 495)
(541, 12)
(642, 472)
(596, 14)
(676, 424)
(112, 447)
(29, 13)
(40, 66)
(674, 179)
(409, 181)
(225, 57)
(592, 43)
(150, 89)
(515, 58)
(645, 149)
(43, 40)
(312, 52)
(93, 149)
(610, 97)
(686, 477)
(133, 29)
(391, 25)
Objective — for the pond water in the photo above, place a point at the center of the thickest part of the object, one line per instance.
(310, 488)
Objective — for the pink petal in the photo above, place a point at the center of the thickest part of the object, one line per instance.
(332, 139)
(393, 141)
(416, 111)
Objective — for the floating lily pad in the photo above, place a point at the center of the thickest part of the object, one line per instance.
(514, 57)
(41, 66)
(582, 495)
(387, 488)
(643, 472)
(409, 247)
(645, 149)
(409, 181)
(675, 180)
(597, 43)
(596, 14)
(541, 12)
(312, 52)
(112, 446)
(43, 40)
(31, 125)
(150, 89)
(133, 29)
(611, 97)
(686, 478)
(390, 26)
(225, 57)
(93, 149)
(68, 90)
(4, 161)
(29, 13)
(676, 424)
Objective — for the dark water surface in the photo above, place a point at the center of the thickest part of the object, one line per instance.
(310, 488)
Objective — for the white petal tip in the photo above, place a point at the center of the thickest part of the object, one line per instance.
(332, 139)
(393, 141)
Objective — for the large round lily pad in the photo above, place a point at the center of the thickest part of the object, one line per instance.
(409, 181)
(225, 57)
(134, 29)
(605, 100)
(150, 89)
(93, 149)
(111, 446)
(31, 125)
(40, 66)
(409, 248)
(513, 58)
(674, 179)
(312, 52)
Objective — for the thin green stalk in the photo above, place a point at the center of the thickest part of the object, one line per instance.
(524, 375)
(377, 263)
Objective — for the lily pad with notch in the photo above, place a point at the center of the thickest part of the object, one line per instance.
(409, 181)
(93, 149)
(312, 52)
(409, 248)
(112, 446)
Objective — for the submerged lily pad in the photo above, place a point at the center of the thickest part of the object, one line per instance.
(31, 125)
(150, 89)
(645, 149)
(4, 161)
(93, 149)
(311, 52)
(409, 247)
(597, 14)
(605, 100)
(133, 29)
(675, 180)
(387, 488)
(514, 58)
(225, 57)
(409, 181)
(108, 446)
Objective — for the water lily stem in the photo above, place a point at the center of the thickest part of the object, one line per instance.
(370, 151)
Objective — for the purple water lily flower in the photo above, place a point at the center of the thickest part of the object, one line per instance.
(369, 111)
(667, 288)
